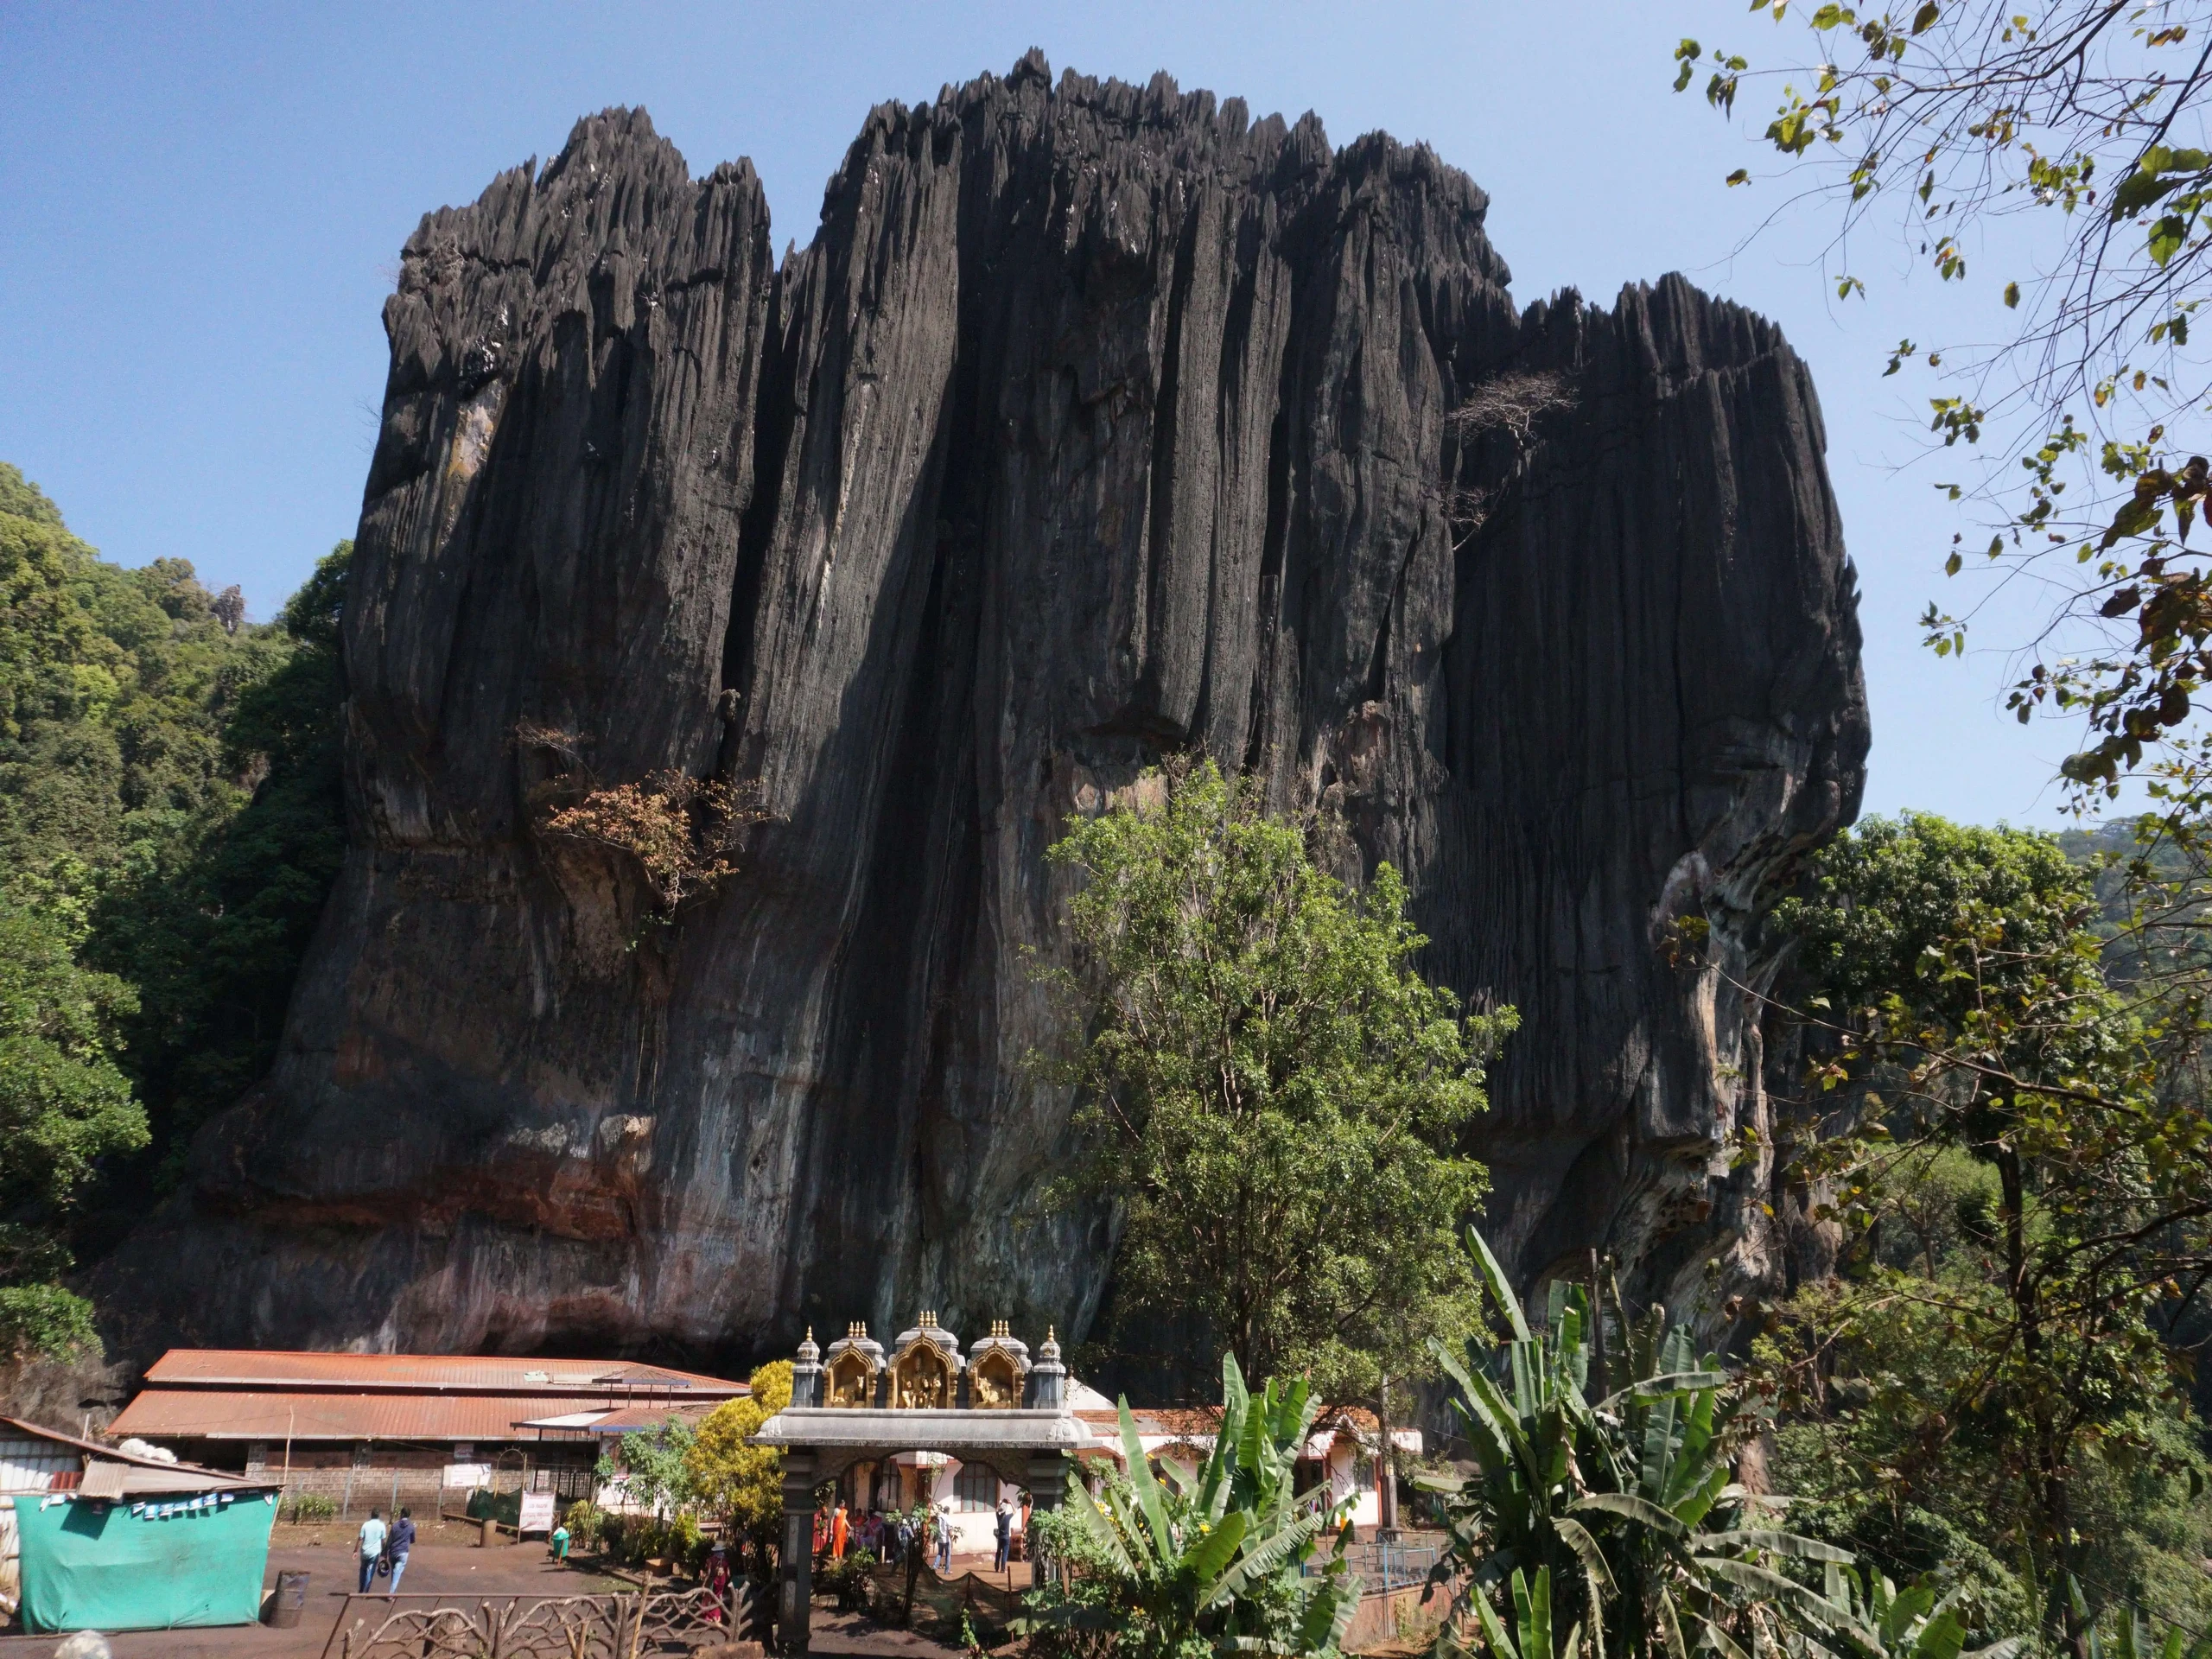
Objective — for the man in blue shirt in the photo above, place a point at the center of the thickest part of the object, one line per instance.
(402, 1540)
(373, 1537)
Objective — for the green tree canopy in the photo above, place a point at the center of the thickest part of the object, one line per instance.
(65, 1105)
(169, 823)
(2022, 1169)
(1270, 1094)
(744, 1483)
(64, 1102)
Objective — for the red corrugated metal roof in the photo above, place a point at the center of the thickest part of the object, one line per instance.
(252, 1368)
(141, 1474)
(271, 1414)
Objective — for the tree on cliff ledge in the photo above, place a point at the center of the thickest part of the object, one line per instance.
(1269, 1094)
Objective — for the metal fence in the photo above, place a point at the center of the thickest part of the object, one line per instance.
(1385, 1564)
(552, 1627)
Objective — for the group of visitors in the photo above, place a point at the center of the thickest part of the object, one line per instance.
(891, 1538)
(384, 1550)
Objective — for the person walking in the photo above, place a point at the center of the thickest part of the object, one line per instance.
(396, 1546)
(945, 1541)
(841, 1529)
(714, 1585)
(372, 1540)
(1006, 1534)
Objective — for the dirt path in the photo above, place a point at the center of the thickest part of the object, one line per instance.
(461, 1574)
(456, 1572)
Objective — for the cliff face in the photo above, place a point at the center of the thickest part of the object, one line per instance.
(1097, 423)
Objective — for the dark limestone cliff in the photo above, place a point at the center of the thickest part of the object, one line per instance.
(1096, 422)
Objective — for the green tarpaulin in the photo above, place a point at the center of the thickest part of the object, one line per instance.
(150, 1564)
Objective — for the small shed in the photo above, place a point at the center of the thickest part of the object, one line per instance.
(122, 1541)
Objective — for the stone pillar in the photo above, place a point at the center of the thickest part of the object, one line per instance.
(795, 1571)
(1048, 1480)
(1048, 1489)
(1048, 1378)
(806, 1373)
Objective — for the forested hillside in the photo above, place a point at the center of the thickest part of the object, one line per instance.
(169, 823)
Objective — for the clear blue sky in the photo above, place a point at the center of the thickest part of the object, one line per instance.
(202, 209)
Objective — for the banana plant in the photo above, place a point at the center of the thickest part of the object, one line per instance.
(1218, 1562)
(1529, 1636)
(1910, 1624)
(2132, 1637)
(1622, 1508)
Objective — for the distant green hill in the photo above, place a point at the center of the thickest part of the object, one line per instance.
(170, 815)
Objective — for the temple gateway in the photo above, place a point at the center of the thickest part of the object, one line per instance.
(890, 1421)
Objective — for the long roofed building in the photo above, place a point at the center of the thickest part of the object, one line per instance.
(382, 1429)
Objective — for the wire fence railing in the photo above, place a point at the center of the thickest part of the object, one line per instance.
(1383, 1564)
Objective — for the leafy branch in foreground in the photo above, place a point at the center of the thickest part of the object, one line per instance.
(2082, 122)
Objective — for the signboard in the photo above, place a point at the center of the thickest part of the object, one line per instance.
(536, 1512)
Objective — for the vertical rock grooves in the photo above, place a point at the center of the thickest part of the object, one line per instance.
(1098, 422)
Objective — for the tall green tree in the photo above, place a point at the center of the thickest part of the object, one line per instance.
(169, 823)
(210, 918)
(1270, 1094)
(65, 1105)
(2024, 1174)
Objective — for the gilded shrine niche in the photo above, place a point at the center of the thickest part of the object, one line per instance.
(850, 1368)
(926, 1368)
(998, 1371)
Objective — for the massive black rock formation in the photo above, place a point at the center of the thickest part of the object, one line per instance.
(1098, 422)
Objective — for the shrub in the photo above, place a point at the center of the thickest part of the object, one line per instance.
(46, 1320)
(614, 1532)
(850, 1580)
(687, 1545)
(311, 1509)
(1220, 1562)
(584, 1520)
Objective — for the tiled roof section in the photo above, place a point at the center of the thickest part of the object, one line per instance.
(271, 1414)
(252, 1368)
(1175, 1421)
(1159, 1426)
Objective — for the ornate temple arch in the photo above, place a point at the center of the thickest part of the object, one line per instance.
(996, 1410)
